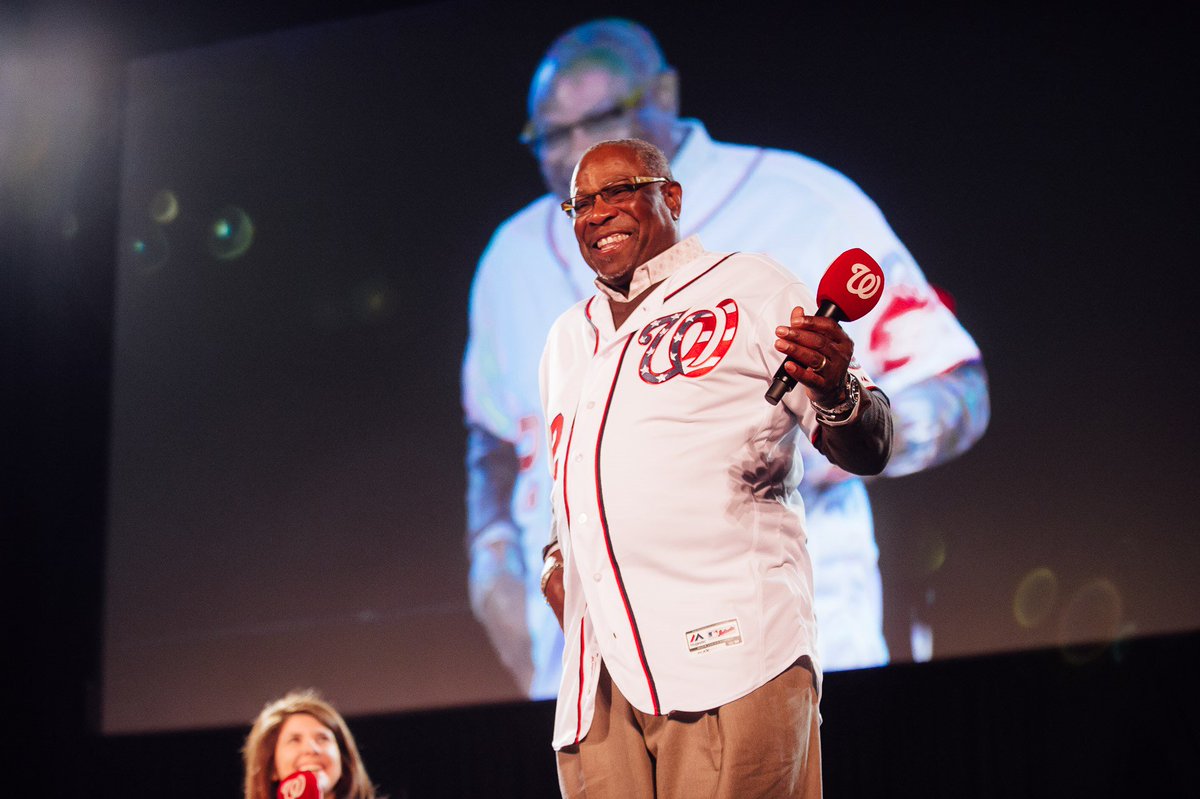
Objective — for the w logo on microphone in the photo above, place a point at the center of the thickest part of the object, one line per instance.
(696, 342)
(300, 785)
(863, 281)
(292, 789)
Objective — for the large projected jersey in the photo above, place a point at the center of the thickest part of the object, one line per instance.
(803, 214)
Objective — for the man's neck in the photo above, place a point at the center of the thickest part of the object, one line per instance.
(654, 271)
(622, 310)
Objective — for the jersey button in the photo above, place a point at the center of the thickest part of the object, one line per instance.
(583, 518)
(591, 405)
(596, 576)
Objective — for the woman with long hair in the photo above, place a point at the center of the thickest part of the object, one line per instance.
(302, 732)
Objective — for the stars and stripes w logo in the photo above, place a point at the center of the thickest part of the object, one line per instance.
(696, 341)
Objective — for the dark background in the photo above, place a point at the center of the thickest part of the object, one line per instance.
(1041, 167)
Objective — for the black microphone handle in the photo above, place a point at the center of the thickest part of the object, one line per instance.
(783, 382)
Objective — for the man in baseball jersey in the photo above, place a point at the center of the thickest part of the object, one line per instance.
(691, 659)
(608, 79)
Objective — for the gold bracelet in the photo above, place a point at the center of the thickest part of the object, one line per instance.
(552, 565)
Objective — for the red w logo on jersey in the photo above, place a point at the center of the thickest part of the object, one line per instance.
(696, 342)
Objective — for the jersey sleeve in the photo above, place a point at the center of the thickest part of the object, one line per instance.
(485, 393)
(557, 355)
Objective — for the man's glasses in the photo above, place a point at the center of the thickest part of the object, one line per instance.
(615, 194)
(594, 125)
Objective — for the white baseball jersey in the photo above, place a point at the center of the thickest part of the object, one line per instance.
(801, 213)
(675, 488)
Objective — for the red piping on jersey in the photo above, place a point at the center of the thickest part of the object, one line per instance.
(566, 462)
(587, 312)
(959, 365)
(697, 277)
(579, 693)
(721, 206)
(963, 362)
(612, 558)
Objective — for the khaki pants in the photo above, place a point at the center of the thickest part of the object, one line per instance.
(766, 744)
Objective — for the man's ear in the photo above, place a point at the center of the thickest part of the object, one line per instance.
(673, 193)
(574, 174)
(664, 92)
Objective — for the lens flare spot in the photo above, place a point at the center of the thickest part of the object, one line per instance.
(373, 302)
(934, 553)
(230, 234)
(1035, 597)
(1091, 621)
(924, 556)
(927, 554)
(146, 249)
(164, 207)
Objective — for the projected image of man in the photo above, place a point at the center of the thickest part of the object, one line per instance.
(607, 79)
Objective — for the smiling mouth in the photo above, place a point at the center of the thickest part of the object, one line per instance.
(610, 242)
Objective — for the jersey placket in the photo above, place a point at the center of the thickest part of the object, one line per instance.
(600, 570)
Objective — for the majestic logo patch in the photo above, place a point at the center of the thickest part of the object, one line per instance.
(696, 342)
(723, 633)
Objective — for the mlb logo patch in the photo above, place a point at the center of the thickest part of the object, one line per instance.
(723, 633)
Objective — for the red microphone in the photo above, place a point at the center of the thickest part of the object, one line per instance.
(301, 785)
(849, 290)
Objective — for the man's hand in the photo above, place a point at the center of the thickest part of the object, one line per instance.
(819, 354)
(497, 591)
(552, 586)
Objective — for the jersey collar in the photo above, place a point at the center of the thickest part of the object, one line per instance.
(657, 269)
